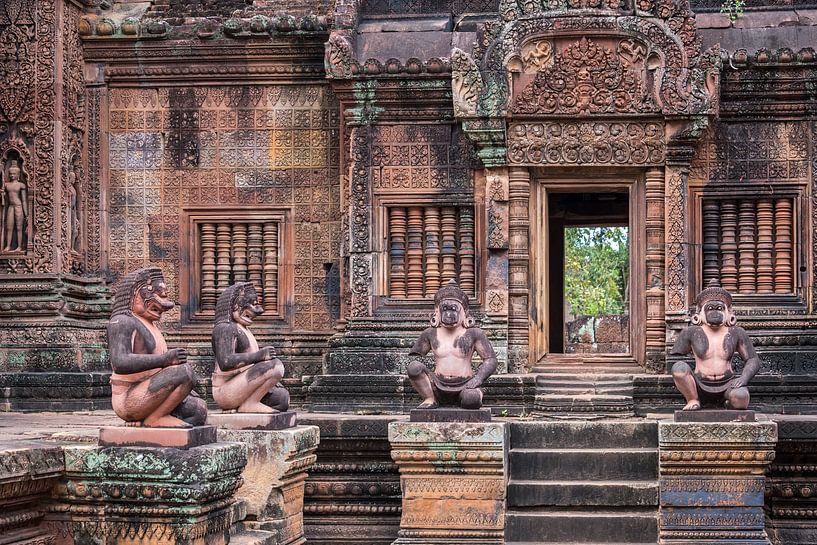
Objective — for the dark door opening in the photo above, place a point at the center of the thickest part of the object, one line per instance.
(589, 256)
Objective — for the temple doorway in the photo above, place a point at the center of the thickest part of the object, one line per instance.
(585, 247)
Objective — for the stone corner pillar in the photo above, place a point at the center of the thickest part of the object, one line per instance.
(453, 477)
(131, 495)
(712, 482)
(274, 478)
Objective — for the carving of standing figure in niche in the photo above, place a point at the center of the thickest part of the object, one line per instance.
(14, 202)
(74, 231)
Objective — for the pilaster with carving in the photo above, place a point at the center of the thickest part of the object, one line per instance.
(655, 327)
(518, 259)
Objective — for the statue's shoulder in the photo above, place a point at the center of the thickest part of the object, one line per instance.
(226, 328)
(123, 320)
(739, 332)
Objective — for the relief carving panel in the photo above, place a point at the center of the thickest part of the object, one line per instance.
(586, 143)
(230, 146)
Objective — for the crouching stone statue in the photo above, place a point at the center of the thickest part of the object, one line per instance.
(453, 339)
(246, 378)
(151, 385)
(713, 338)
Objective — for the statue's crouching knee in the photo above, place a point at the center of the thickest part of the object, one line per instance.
(471, 398)
(415, 369)
(681, 369)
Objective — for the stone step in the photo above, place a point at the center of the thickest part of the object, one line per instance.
(254, 537)
(579, 389)
(584, 464)
(580, 434)
(582, 493)
(583, 404)
(592, 526)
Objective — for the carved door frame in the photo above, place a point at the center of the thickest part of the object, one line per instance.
(543, 183)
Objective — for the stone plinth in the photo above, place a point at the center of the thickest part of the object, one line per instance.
(453, 477)
(28, 471)
(181, 438)
(450, 414)
(792, 481)
(715, 415)
(712, 483)
(141, 495)
(253, 421)
(273, 489)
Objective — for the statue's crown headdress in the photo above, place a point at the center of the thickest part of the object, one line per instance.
(713, 292)
(451, 291)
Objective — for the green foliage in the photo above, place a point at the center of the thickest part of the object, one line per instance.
(596, 269)
(733, 8)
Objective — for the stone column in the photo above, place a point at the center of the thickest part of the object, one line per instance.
(711, 482)
(453, 477)
(518, 259)
(28, 471)
(162, 496)
(274, 477)
(655, 326)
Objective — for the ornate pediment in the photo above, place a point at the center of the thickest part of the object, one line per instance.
(585, 78)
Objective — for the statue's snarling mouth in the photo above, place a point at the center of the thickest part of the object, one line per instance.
(450, 313)
(155, 300)
(247, 307)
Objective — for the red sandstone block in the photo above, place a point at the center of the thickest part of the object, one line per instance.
(181, 438)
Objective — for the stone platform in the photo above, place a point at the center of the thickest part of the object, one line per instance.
(453, 477)
(712, 482)
(714, 415)
(450, 414)
(252, 421)
(274, 478)
(181, 438)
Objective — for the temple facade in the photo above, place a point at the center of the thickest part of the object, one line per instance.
(351, 157)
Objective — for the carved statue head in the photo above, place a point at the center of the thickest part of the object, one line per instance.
(451, 307)
(142, 293)
(14, 170)
(714, 307)
(239, 304)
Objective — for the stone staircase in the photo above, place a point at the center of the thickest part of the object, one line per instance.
(583, 482)
(584, 394)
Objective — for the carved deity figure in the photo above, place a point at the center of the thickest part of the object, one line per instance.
(152, 386)
(713, 338)
(453, 339)
(73, 209)
(246, 378)
(15, 201)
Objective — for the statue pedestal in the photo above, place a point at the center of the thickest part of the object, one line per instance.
(252, 421)
(181, 438)
(450, 414)
(453, 478)
(715, 415)
(712, 483)
(165, 496)
(274, 477)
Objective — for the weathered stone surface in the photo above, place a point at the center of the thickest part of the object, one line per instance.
(28, 471)
(453, 477)
(445, 414)
(253, 421)
(712, 483)
(707, 415)
(127, 495)
(181, 438)
(274, 477)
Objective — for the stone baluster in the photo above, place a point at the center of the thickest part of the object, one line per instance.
(449, 246)
(414, 253)
(765, 246)
(432, 250)
(223, 266)
(270, 267)
(783, 246)
(711, 226)
(240, 272)
(729, 246)
(746, 247)
(255, 256)
(208, 266)
(467, 251)
(397, 251)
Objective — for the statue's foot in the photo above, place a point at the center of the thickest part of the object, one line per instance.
(693, 405)
(166, 422)
(136, 424)
(256, 407)
(428, 405)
